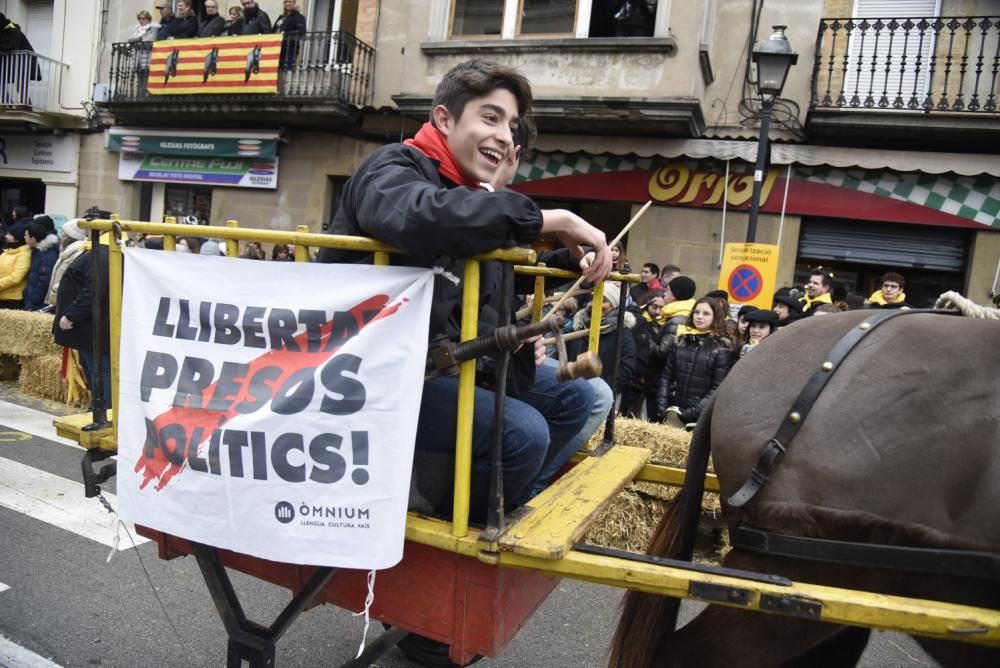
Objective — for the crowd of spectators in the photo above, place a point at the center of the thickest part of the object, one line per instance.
(247, 18)
(677, 346)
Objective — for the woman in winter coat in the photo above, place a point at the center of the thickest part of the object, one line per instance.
(44, 253)
(696, 364)
(15, 262)
(72, 245)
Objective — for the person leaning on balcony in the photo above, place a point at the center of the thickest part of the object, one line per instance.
(234, 26)
(255, 20)
(212, 24)
(145, 30)
(291, 24)
(13, 70)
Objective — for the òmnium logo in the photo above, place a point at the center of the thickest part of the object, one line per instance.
(284, 512)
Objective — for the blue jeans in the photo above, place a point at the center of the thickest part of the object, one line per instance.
(525, 440)
(536, 431)
(87, 360)
(567, 409)
(600, 404)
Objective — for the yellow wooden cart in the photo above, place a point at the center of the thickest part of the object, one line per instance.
(462, 592)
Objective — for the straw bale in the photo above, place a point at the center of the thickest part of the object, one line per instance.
(26, 333)
(628, 522)
(40, 377)
(9, 367)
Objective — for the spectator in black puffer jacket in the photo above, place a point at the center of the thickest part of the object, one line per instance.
(44, 253)
(695, 365)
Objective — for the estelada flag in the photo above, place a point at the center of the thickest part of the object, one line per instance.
(211, 65)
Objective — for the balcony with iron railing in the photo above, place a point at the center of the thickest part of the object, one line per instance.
(889, 77)
(30, 83)
(320, 73)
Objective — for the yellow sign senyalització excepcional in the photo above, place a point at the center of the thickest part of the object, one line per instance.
(749, 273)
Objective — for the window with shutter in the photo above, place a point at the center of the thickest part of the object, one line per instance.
(883, 61)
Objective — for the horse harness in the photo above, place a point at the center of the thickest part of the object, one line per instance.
(792, 422)
(941, 561)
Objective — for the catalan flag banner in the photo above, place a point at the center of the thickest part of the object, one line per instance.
(215, 65)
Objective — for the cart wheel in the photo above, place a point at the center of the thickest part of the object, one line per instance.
(427, 652)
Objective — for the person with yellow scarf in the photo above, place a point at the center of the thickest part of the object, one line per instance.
(696, 364)
(677, 304)
(817, 291)
(890, 294)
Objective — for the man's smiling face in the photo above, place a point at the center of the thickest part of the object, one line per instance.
(483, 136)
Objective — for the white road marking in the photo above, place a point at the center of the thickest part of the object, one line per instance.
(15, 656)
(3, 587)
(60, 502)
(31, 421)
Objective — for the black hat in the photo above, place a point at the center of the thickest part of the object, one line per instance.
(718, 294)
(746, 310)
(682, 287)
(793, 304)
(763, 315)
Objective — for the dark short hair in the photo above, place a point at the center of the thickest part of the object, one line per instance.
(894, 277)
(21, 211)
(475, 78)
(671, 269)
(653, 267)
(525, 136)
(37, 230)
(825, 277)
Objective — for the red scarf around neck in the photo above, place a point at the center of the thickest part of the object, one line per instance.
(432, 143)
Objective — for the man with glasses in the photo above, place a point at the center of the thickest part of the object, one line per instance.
(255, 20)
(890, 294)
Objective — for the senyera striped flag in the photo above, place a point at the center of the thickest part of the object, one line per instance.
(247, 64)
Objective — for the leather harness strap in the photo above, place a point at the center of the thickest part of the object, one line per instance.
(782, 440)
(895, 557)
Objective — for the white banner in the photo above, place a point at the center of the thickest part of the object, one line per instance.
(270, 408)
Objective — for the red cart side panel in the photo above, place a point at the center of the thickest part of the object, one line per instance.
(474, 607)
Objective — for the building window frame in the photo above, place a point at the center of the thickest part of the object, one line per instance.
(442, 17)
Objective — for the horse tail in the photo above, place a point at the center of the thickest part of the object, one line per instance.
(648, 621)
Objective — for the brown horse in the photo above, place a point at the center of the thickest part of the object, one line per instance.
(902, 447)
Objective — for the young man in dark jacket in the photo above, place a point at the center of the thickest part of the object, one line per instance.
(44, 253)
(426, 197)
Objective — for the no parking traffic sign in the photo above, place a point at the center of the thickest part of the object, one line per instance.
(749, 272)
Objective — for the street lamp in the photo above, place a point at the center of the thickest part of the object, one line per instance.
(774, 58)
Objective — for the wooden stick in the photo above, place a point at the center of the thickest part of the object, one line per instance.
(525, 310)
(613, 243)
(578, 334)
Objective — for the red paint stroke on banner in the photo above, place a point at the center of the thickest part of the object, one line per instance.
(290, 362)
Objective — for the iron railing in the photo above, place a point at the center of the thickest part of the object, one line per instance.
(31, 80)
(935, 64)
(313, 66)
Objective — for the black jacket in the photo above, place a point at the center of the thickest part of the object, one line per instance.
(75, 301)
(256, 21)
(693, 369)
(293, 23)
(178, 27)
(212, 27)
(397, 196)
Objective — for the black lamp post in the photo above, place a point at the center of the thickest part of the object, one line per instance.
(774, 58)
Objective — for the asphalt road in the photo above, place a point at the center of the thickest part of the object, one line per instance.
(63, 603)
